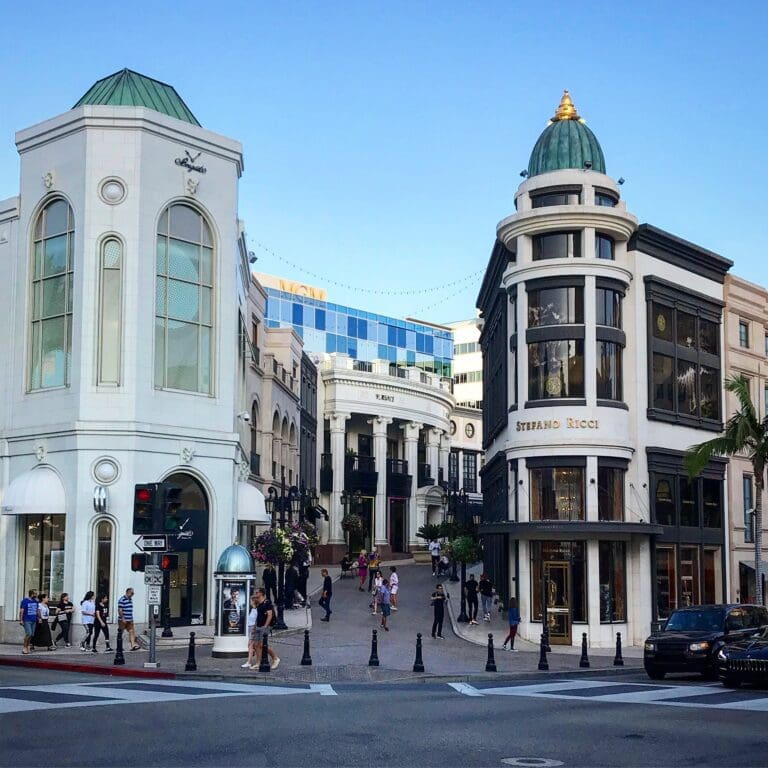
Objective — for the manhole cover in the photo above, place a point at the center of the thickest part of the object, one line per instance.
(532, 762)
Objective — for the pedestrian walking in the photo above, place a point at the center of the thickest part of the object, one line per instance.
(87, 615)
(470, 589)
(301, 586)
(269, 577)
(373, 568)
(362, 569)
(125, 617)
(485, 588)
(251, 625)
(513, 617)
(64, 612)
(101, 624)
(434, 551)
(378, 580)
(28, 619)
(265, 612)
(325, 597)
(438, 604)
(394, 586)
(291, 580)
(42, 637)
(383, 598)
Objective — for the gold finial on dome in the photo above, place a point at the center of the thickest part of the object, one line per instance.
(566, 110)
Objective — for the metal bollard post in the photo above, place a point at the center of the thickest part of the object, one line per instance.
(264, 665)
(490, 664)
(547, 646)
(191, 665)
(618, 661)
(543, 664)
(584, 661)
(167, 632)
(418, 664)
(373, 661)
(119, 656)
(306, 659)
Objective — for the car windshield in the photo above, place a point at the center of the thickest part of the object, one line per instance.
(706, 619)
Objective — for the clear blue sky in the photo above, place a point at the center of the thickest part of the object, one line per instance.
(383, 141)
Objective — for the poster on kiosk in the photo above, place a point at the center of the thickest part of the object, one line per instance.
(235, 581)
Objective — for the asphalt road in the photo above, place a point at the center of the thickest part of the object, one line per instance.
(570, 721)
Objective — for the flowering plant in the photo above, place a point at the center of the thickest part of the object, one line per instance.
(307, 529)
(300, 541)
(273, 546)
(352, 523)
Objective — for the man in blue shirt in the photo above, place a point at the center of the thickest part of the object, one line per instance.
(28, 618)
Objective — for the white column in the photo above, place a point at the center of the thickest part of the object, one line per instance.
(338, 422)
(380, 425)
(593, 596)
(411, 438)
(433, 444)
(444, 452)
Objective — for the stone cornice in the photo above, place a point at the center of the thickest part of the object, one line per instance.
(516, 274)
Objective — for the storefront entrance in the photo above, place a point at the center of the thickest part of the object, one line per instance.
(558, 595)
(397, 525)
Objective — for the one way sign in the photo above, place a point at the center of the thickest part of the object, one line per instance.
(152, 543)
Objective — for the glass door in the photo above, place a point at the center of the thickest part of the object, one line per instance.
(558, 596)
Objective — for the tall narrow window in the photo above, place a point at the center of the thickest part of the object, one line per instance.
(104, 544)
(51, 318)
(613, 596)
(749, 511)
(184, 302)
(111, 300)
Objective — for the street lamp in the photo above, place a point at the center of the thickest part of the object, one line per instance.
(449, 505)
(281, 501)
(308, 500)
(458, 504)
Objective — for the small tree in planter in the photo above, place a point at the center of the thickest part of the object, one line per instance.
(429, 531)
(465, 550)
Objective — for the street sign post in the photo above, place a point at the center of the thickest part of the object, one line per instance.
(153, 567)
(158, 543)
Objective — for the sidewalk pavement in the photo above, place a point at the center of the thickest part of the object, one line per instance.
(341, 648)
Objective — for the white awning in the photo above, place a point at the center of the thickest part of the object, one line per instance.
(38, 491)
(250, 505)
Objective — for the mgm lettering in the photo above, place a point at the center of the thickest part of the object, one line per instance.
(568, 423)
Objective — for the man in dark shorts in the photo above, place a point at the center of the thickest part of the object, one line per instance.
(325, 599)
(264, 613)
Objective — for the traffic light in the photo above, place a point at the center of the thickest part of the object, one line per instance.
(169, 562)
(138, 561)
(170, 504)
(144, 499)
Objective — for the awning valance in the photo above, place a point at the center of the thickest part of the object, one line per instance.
(250, 505)
(751, 564)
(38, 491)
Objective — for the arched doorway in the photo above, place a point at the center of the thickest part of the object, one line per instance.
(187, 585)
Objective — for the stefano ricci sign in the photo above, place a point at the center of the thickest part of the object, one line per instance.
(567, 423)
(190, 162)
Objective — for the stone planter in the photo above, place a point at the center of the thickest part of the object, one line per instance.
(421, 556)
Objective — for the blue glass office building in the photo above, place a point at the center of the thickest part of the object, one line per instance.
(327, 327)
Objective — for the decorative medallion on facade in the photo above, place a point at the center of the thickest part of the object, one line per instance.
(244, 470)
(190, 163)
(48, 180)
(112, 191)
(105, 470)
(41, 451)
(186, 455)
(192, 185)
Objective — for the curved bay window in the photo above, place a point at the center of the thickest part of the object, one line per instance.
(608, 306)
(557, 245)
(557, 305)
(613, 591)
(685, 357)
(609, 371)
(610, 341)
(610, 490)
(184, 301)
(51, 318)
(604, 247)
(604, 199)
(556, 369)
(567, 196)
(557, 492)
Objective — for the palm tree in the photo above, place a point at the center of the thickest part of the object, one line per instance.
(746, 435)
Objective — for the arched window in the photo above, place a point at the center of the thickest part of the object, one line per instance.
(51, 318)
(110, 300)
(184, 301)
(104, 531)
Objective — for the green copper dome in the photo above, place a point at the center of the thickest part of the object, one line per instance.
(127, 88)
(235, 559)
(566, 143)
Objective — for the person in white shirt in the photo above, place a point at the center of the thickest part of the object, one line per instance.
(394, 586)
(378, 580)
(251, 625)
(87, 612)
(434, 550)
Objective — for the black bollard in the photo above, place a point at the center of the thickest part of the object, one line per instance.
(264, 665)
(119, 656)
(547, 646)
(584, 662)
(191, 665)
(543, 664)
(167, 632)
(374, 660)
(418, 664)
(618, 661)
(306, 659)
(490, 664)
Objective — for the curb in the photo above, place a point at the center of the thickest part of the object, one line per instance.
(92, 669)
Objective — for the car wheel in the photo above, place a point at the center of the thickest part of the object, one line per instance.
(654, 673)
(730, 682)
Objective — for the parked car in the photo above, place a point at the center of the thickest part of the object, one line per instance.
(692, 638)
(745, 661)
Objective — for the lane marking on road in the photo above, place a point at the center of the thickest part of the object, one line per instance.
(323, 689)
(465, 689)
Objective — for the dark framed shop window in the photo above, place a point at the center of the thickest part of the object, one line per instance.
(747, 493)
(604, 247)
(557, 196)
(470, 471)
(557, 245)
(608, 307)
(686, 574)
(556, 305)
(744, 334)
(495, 488)
(493, 342)
(684, 356)
(453, 470)
(613, 581)
(571, 552)
(557, 492)
(605, 199)
(610, 490)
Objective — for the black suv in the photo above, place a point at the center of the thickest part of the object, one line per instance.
(693, 636)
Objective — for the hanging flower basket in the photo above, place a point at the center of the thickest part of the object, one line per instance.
(464, 549)
(353, 523)
(273, 546)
